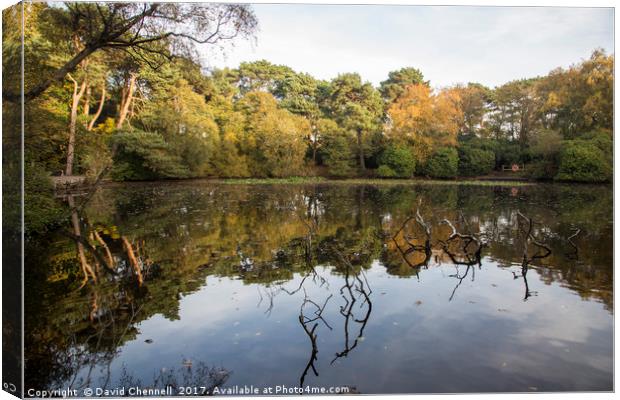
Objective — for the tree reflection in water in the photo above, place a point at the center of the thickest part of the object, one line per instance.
(305, 321)
(197, 379)
(149, 247)
(355, 289)
(542, 251)
(470, 256)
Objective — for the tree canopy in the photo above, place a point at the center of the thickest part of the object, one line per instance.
(119, 87)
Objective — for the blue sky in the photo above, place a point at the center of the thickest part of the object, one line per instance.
(490, 45)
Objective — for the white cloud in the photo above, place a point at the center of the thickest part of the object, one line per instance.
(490, 45)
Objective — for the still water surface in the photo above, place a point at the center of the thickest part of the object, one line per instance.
(331, 285)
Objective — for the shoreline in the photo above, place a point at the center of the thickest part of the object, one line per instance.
(480, 181)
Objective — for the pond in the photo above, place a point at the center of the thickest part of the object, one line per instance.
(339, 287)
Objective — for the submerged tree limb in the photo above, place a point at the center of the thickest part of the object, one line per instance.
(526, 260)
(529, 237)
(348, 291)
(467, 239)
(313, 354)
(573, 245)
(304, 321)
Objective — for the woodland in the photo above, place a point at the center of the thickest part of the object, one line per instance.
(117, 91)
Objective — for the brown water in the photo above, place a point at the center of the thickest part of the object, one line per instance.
(325, 286)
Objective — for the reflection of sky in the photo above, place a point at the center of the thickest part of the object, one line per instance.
(417, 340)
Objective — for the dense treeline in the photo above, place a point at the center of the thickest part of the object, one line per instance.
(143, 114)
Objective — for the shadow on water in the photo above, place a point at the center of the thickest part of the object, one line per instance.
(136, 253)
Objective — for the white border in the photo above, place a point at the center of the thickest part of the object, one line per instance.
(540, 3)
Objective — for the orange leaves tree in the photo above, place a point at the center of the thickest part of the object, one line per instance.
(425, 121)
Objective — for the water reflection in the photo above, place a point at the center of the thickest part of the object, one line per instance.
(273, 286)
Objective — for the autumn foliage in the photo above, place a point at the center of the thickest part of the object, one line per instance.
(144, 114)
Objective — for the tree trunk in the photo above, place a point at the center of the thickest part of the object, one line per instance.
(361, 150)
(126, 99)
(75, 102)
(92, 122)
(315, 145)
(314, 138)
(86, 110)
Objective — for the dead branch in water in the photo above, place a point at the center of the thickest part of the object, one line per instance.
(313, 355)
(526, 260)
(304, 321)
(467, 239)
(529, 237)
(426, 247)
(528, 292)
(575, 253)
(574, 235)
(271, 294)
(318, 312)
(461, 278)
(427, 231)
(420, 220)
(469, 260)
(348, 290)
(405, 253)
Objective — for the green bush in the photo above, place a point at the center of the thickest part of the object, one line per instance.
(509, 152)
(443, 163)
(145, 156)
(603, 140)
(583, 161)
(545, 149)
(338, 156)
(386, 172)
(42, 212)
(398, 160)
(479, 143)
(542, 169)
(475, 161)
(545, 144)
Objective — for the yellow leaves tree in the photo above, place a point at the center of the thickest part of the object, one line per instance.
(187, 124)
(412, 113)
(424, 120)
(579, 99)
(598, 73)
(448, 116)
(282, 143)
(474, 102)
(231, 160)
(275, 139)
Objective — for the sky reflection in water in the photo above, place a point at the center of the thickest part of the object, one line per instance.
(424, 330)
